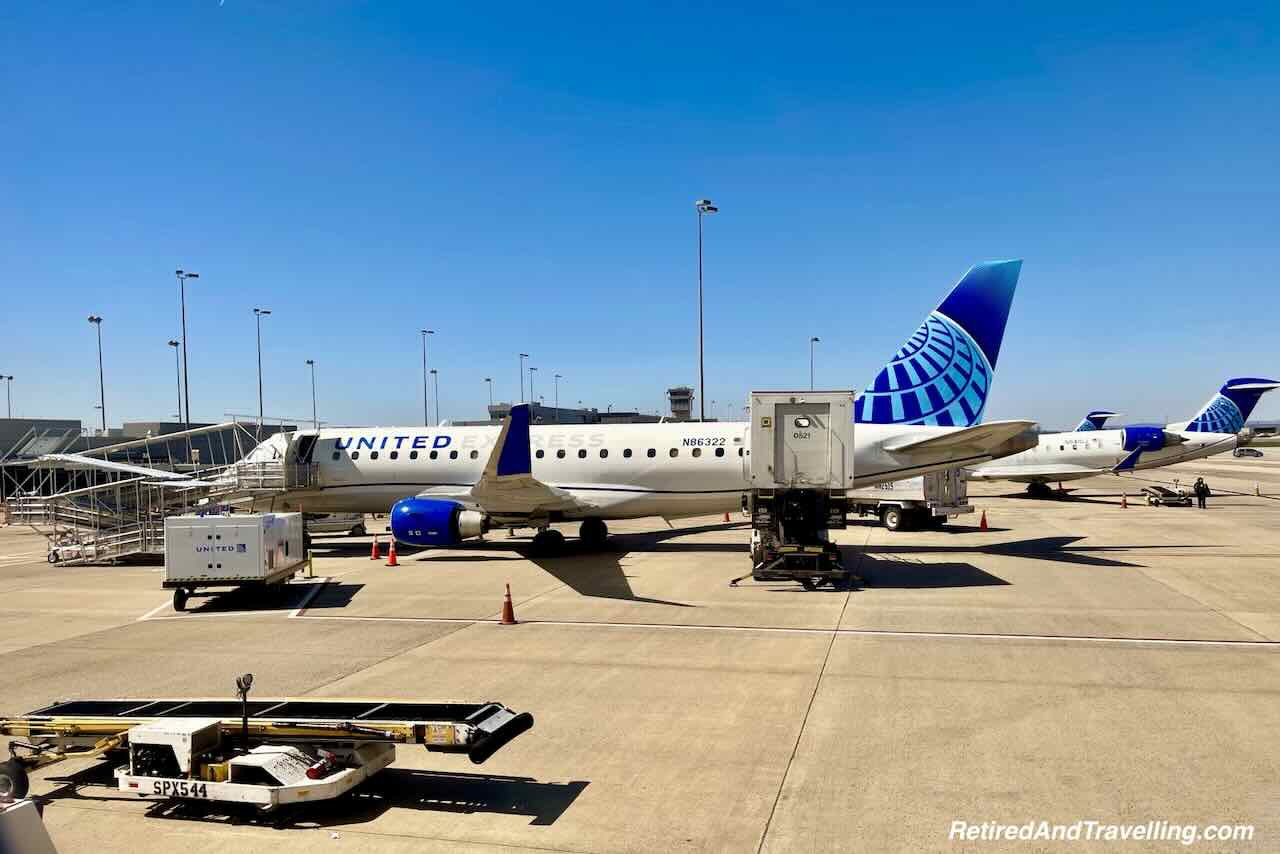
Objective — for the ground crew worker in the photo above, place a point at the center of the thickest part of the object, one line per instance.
(1202, 492)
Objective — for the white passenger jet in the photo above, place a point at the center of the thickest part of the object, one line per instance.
(446, 484)
(1091, 451)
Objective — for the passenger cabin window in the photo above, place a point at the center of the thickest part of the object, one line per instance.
(413, 455)
(395, 455)
(582, 454)
(541, 453)
(453, 455)
(739, 452)
(675, 452)
(626, 452)
(653, 452)
(373, 455)
(603, 453)
(475, 455)
(435, 454)
(719, 452)
(337, 454)
(560, 454)
(697, 452)
(355, 455)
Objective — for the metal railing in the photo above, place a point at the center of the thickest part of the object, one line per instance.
(124, 517)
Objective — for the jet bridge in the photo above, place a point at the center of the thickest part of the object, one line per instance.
(266, 752)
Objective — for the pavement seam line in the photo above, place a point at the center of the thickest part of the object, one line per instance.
(817, 683)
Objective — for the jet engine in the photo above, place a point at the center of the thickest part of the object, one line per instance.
(1149, 438)
(434, 522)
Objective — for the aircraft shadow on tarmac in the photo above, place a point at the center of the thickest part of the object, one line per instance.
(1057, 549)
(598, 572)
(393, 788)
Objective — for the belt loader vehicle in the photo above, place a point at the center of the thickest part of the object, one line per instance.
(265, 752)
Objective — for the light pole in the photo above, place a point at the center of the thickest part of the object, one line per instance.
(435, 381)
(426, 415)
(258, 314)
(177, 372)
(102, 394)
(531, 397)
(812, 341)
(489, 380)
(557, 379)
(8, 392)
(186, 373)
(704, 207)
(523, 356)
(315, 422)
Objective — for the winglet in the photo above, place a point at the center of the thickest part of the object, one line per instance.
(511, 454)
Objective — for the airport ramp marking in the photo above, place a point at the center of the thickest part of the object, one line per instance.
(887, 633)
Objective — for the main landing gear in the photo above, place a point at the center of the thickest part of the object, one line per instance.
(548, 542)
(593, 533)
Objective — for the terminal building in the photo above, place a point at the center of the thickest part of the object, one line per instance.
(680, 399)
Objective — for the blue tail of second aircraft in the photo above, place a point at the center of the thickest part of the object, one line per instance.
(1095, 420)
(942, 375)
(1227, 410)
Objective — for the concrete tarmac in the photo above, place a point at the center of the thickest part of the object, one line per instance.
(1076, 661)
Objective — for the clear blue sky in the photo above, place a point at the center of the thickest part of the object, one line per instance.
(521, 178)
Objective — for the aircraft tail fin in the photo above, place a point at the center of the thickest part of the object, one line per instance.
(942, 375)
(1095, 420)
(1227, 410)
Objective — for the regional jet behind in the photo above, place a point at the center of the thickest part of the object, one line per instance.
(1087, 452)
(445, 484)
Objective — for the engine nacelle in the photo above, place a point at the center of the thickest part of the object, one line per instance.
(1147, 437)
(434, 522)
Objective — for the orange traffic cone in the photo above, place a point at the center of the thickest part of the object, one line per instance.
(1124, 501)
(375, 555)
(391, 554)
(982, 523)
(508, 612)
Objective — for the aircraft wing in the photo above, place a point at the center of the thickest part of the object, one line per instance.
(993, 439)
(1029, 474)
(507, 487)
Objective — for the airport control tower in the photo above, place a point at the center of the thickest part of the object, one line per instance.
(681, 399)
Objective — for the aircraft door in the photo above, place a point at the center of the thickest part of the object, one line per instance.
(299, 468)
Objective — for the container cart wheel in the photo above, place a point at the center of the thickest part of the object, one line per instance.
(891, 518)
(180, 596)
(810, 583)
(13, 781)
(53, 556)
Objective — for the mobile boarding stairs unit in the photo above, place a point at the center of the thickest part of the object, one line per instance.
(94, 507)
(267, 753)
(801, 474)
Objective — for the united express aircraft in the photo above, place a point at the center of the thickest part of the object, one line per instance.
(446, 484)
(1090, 451)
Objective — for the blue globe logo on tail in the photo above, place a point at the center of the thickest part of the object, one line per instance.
(1220, 416)
(1227, 410)
(942, 375)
